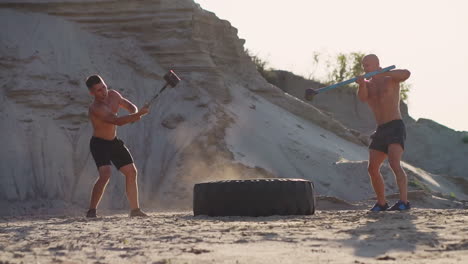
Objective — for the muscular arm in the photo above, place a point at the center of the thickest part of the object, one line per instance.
(125, 103)
(362, 91)
(108, 117)
(398, 75)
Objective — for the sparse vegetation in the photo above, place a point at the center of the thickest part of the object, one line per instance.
(416, 184)
(339, 68)
(465, 139)
(404, 90)
(262, 65)
(452, 196)
(345, 66)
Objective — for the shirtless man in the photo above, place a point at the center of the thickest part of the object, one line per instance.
(106, 147)
(382, 94)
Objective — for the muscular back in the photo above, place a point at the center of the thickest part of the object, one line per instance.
(109, 106)
(384, 99)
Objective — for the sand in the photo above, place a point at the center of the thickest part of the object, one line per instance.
(352, 236)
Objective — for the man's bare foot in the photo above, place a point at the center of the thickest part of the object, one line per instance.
(137, 213)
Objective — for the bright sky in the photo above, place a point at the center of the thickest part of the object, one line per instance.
(429, 38)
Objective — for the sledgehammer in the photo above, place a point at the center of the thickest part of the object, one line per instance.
(171, 80)
(310, 93)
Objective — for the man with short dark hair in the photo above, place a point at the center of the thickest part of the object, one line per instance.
(382, 94)
(106, 147)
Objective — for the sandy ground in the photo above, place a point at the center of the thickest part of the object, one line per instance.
(353, 236)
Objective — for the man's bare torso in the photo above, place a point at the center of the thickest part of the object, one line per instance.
(384, 99)
(101, 128)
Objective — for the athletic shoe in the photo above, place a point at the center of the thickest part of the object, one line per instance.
(137, 213)
(378, 208)
(91, 213)
(400, 206)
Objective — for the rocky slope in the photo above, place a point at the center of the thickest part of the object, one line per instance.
(430, 146)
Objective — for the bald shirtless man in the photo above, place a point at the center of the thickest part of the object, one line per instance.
(382, 94)
(106, 147)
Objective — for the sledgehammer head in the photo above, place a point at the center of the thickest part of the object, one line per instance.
(310, 94)
(171, 78)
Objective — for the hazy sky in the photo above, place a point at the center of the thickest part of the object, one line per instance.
(429, 38)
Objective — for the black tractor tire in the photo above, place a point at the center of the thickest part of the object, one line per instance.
(256, 197)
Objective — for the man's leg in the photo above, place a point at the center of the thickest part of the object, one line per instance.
(130, 173)
(375, 162)
(395, 151)
(100, 185)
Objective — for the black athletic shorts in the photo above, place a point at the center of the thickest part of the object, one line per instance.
(104, 151)
(388, 133)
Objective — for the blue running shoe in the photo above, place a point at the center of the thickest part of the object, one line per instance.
(400, 206)
(378, 208)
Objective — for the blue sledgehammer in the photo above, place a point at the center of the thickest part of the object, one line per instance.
(310, 93)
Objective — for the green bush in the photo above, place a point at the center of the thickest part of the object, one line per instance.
(345, 66)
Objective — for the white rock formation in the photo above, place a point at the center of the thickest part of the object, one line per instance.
(223, 121)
